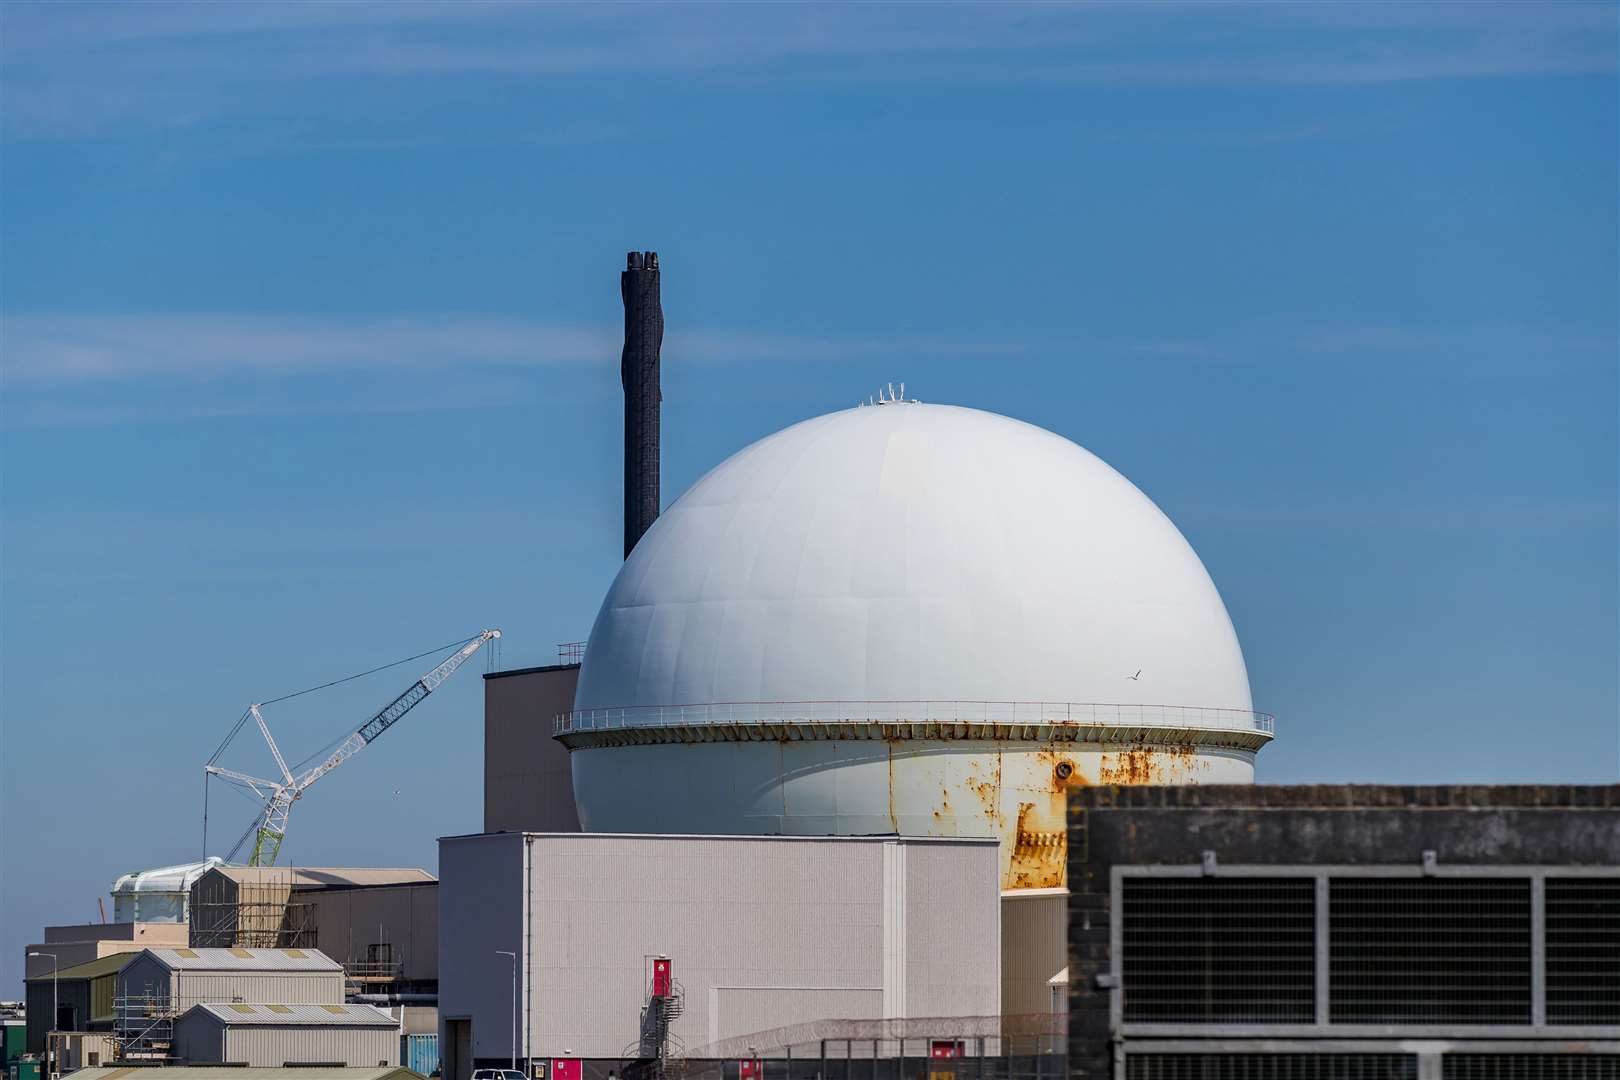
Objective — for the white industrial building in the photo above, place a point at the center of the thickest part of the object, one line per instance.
(896, 624)
(755, 928)
(272, 1036)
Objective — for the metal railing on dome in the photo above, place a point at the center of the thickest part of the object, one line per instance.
(1028, 713)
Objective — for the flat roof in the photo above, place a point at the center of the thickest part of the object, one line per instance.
(309, 877)
(1349, 796)
(530, 670)
(740, 837)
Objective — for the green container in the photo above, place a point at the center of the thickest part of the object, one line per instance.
(15, 1040)
(25, 1070)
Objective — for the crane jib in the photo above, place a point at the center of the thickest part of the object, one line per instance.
(396, 709)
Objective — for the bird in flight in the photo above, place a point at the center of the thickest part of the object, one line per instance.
(1134, 678)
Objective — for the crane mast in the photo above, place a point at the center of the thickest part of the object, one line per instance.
(279, 795)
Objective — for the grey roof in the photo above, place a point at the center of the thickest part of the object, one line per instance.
(228, 1072)
(90, 969)
(308, 877)
(245, 960)
(298, 1015)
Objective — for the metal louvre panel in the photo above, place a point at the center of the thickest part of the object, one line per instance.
(1219, 950)
(1583, 950)
(1429, 950)
(1530, 1067)
(1271, 1067)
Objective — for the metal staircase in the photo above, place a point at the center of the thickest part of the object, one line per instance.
(648, 1058)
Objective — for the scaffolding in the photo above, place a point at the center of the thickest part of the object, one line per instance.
(143, 1028)
(252, 915)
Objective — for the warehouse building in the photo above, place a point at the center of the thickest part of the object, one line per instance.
(82, 996)
(187, 977)
(1407, 933)
(271, 907)
(160, 986)
(269, 1036)
(380, 923)
(551, 941)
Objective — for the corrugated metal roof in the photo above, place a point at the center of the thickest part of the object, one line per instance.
(195, 1072)
(245, 960)
(90, 969)
(300, 1015)
(305, 877)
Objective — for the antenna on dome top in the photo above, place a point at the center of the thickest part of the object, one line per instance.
(887, 395)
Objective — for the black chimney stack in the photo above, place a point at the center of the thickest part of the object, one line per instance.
(638, 368)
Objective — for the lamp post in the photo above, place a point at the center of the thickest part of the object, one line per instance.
(513, 955)
(50, 1055)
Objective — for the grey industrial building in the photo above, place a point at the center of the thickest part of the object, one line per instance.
(274, 907)
(186, 977)
(82, 997)
(757, 929)
(267, 1036)
(381, 924)
(1429, 933)
(528, 783)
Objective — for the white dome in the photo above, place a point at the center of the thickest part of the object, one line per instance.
(913, 552)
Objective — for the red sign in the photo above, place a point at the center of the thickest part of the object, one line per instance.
(750, 1070)
(946, 1048)
(661, 978)
(565, 1069)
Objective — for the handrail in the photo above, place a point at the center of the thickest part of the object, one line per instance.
(1032, 713)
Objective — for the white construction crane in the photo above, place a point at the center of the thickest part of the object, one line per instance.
(270, 826)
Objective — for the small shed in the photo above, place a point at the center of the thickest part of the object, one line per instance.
(270, 1036)
(173, 980)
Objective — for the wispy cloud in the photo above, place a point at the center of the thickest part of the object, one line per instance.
(59, 349)
(1477, 349)
(98, 347)
(73, 69)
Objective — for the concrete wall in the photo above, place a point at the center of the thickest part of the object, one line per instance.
(528, 783)
(1306, 825)
(348, 920)
(762, 931)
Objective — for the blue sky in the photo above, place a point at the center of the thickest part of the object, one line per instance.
(310, 340)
